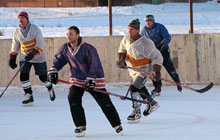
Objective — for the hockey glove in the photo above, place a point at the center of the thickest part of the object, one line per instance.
(31, 55)
(89, 85)
(121, 62)
(52, 76)
(12, 61)
(156, 72)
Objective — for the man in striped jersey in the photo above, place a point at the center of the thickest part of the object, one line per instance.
(27, 39)
(86, 73)
(140, 52)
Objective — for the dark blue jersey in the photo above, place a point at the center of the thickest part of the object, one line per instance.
(158, 34)
(84, 64)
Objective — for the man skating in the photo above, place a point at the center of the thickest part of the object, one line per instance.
(86, 73)
(161, 38)
(140, 52)
(27, 39)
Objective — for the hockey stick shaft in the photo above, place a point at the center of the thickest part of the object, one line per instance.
(11, 80)
(109, 93)
(178, 84)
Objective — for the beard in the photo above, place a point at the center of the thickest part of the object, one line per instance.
(72, 41)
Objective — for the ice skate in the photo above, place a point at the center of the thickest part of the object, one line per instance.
(156, 92)
(52, 94)
(179, 88)
(151, 107)
(135, 116)
(29, 101)
(119, 129)
(80, 131)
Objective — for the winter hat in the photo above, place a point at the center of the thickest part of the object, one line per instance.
(135, 24)
(24, 14)
(149, 18)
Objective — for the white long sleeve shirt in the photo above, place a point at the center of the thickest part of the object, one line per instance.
(25, 45)
(141, 54)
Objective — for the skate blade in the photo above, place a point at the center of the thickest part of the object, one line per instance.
(52, 98)
(121, 133)
(82, 134)
(52, 95)
(29, 104)
(154, 109)
(158, 94)
(154, 95)
(134, 121)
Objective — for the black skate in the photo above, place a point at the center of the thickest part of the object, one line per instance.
(156, 92)
(29, 101)
(179, 88)
(52, 94)
(80, 131)
(135, 116)
(151, 107)
(119, 129)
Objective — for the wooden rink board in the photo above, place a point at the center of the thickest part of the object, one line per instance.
(196, 57)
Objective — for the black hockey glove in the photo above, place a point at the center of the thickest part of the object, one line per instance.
(89, 85)
(156, 72)
(12, 61)
(52, 76)
(121, 64)
(31, 55)
(121, 61)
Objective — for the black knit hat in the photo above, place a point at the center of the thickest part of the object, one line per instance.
(135, 24)
(149, 18)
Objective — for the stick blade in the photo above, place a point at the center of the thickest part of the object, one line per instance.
(208, 87)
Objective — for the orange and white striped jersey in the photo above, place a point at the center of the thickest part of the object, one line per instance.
(24, 45)
(141, 53)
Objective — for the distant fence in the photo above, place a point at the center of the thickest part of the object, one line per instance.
(175, 16)
(196, 57)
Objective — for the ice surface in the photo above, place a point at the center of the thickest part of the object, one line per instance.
(182, 116)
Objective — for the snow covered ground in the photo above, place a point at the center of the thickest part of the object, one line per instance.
(182, 116)
(94, 21)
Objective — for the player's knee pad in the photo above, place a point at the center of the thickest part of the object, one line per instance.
(133, 89)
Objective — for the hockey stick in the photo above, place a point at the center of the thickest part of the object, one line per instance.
(12, 79)
(109, 93)
(208, 87)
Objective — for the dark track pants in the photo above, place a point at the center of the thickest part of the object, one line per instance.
(103, 100)
(169, 66)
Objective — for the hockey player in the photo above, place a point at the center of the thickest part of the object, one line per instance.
(138, 51)
(86, 71)
(161, 38)
(27, 39)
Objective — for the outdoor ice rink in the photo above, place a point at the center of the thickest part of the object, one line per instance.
(181, 116)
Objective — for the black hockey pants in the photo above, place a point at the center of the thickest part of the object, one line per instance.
(103, 100)
(169, 66)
